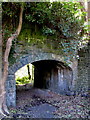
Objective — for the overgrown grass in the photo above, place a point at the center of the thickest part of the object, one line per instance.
(23, 80)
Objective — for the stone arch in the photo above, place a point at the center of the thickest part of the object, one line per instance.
(53, 75)
(22, 61)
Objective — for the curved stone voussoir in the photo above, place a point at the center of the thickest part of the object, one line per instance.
(32, 57)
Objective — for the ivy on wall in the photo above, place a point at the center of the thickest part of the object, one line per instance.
(57, 26)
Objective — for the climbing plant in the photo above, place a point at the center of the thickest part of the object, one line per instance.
(60, 26)
(62, 22)
(3, 105)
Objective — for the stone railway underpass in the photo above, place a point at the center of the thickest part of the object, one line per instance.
(51, 72)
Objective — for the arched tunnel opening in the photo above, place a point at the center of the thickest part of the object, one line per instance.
(25, 77)
(52, 75)
(47, 74)
(43, 73)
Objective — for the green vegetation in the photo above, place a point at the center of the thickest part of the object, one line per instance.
(57, 27)
(25, 75)
(23, 80)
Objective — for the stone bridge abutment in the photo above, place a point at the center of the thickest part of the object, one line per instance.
(58, 74)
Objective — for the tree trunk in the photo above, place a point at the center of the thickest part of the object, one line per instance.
(3, 106)
(28, 67)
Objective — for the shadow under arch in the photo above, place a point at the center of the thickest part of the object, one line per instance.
(26, 59)
(53, 75)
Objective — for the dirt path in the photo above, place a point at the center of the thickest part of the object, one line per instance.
(36, 103)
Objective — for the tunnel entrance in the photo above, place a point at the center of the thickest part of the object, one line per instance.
(53, 75)
(45, 74)
(50, 72)
(25, 77)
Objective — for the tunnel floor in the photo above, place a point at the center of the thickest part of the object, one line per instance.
(39, 103)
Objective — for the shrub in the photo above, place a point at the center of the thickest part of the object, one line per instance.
(23, 80)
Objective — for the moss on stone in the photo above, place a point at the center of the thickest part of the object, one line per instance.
(31, 35)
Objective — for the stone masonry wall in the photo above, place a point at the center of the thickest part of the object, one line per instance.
(33, 56)
(83, 81)
(81, 71)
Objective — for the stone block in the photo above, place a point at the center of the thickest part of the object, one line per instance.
(24, 61)
(19, 65)
(11, 85)
(29, 59)
(10, 77)
(11, 99)
(10, 71)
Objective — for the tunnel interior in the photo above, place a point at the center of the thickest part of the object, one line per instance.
(53, 75)
(46, 74)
